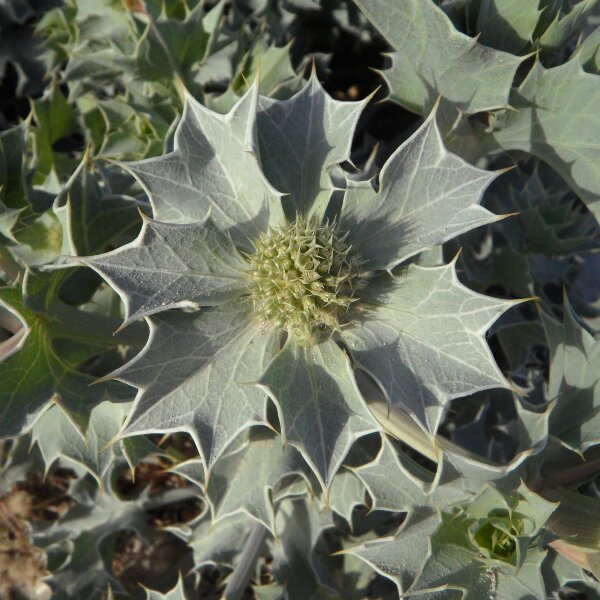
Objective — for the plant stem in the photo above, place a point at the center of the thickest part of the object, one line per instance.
(402, 426)
(238, 582)
(172, 496)
(88, 327)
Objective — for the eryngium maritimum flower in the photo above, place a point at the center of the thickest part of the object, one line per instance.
(288, 296)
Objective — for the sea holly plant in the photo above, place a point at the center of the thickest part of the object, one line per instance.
(273, 356)
(485, 549)
(281, 297)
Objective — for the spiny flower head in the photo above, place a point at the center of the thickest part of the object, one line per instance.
(303, 278)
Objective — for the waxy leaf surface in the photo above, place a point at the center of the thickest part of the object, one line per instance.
(557, 121)
(507, 25)
(213, 167)
(435, 551)
(196, 374)
(321, 410)
(57, 437)
(246, 481)
(91, 219)
(426, 196)
(439, 60)
(393, 481)
(574, 384)
(423, 340)
(299, 139)
(171, 266)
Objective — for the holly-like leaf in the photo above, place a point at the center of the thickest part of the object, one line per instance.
(81, 531)
(173, 265)
(400, 557)
(220, 543)
(85, 528)
(194, 367)
(426, 196)
(196, 374)
(321, 410)
(433, 58)
(454, 565)
(300, 139)
(296, 563)
(271, 65)
(564, 26)
(507, 25)
(92, 221)
(246, 480)
(422, 338)
(549, 219)
(556, 121)
(574, 385)
(394, 481)
(58, 437)
(43, 366)
(171, 47)
(214, 167)
(347, 492)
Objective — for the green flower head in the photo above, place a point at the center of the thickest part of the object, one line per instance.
(285, 294)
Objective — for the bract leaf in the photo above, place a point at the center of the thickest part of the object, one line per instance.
(422, 339)
(300, 139)
(321, 410)
(173, 265)
(426, 196)
(445, 62)
(393, 480)
(196, 374)
(214, 166)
